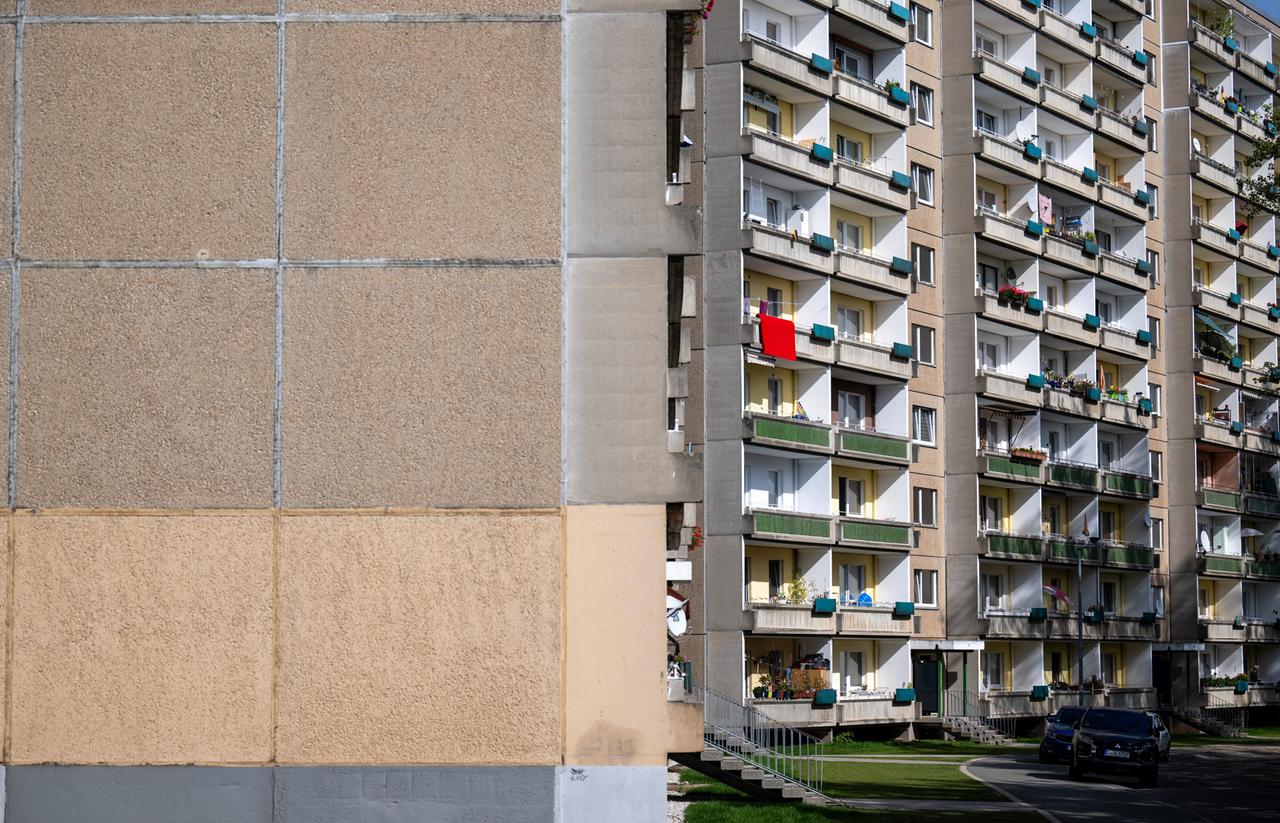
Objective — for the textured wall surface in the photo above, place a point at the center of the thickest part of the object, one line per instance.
(420, 639)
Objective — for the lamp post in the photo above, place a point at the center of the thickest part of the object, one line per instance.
(1080, 544)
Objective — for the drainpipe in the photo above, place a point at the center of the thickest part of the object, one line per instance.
(942, 683)
(964, 686)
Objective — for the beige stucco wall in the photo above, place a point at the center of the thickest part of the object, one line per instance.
(420, 639)
(143, 639)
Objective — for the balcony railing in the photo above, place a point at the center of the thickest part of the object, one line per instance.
(875, 532)
(808, 435)
(1221, 563)
(1012, 545)
(791, 525)
(1130, 484)
(782, 61)
(870, 444)
(890, 19)
(1075, 475)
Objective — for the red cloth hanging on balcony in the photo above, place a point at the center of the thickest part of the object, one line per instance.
(778, 337)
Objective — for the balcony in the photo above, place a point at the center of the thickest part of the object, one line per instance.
(873, 620)
(1212, 109)
(1220, 304)
(1121, 129)
(1011, 546)
(1123, 270)
(797, 527)
(781, 245)
(991, 306)
(788, 433)
(1127, 484)
(1250, 128)
(775, 618)
(1121, 60)
(1211, 44)
(1073, 476)
(1220, 370)
(1008, 387)
(786, 64)
(1071, 403)
(1006, 466)
(1214, 173)
(1070, 327)
(1219, 434)
(1259, 441)
(1120, 555)
(1221, 630)
(889, 19)
(1124, 413)
(1257, 71)
(1069, 252)
(1012, 626)
(1061, 549)
(1214, 237)
(1016, 9)
(1010, 154)
(1068, 106)
(1067, 33)
(1121, 199)
(1005, 77)
(780, 153)
(1262, 505)
(872, 271)
(870, 184)
(872, 357)
(1124, 341)
(1219, 499)
(1218, 564)
(1257, 255)
(1023, 235)
(875, 534)
(1263, 569)
(1063, 626)
(1068, 178)
(871, 99)
(868, 444)
(1128, 627)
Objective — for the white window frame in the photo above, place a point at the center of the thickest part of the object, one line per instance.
(919, 254)
(924, 502)
(922, 100)
(1156, 463)
(922, 24)
(920, 414)
(924, 587)
(919, 175)
(924, 352)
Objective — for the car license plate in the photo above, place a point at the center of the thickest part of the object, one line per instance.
(1116, 753)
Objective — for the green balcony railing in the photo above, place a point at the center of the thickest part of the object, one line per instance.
(875, 532)
(1068, 551)
(797, 525)
(1013, 545)
(874, 445)
(789, 432)
(1127, 484)
(1269, 506)
(1073, 475)
(1264, 568)
(1223, 564)
(1131, 556)
(1221, 499)
(1022, 469)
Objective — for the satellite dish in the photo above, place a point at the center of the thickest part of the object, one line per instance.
(1195, 144)
(1146, 519)
(677, 615)
(1204, 542)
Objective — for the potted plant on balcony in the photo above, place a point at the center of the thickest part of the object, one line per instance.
(1036, 455)
(761, 690)
(1012, 296)
(1055, 379)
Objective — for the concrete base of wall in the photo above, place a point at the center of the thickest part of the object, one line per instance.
(332, 794)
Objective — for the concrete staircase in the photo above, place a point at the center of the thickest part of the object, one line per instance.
(1208, 723)
(747, 777)
(973, 729)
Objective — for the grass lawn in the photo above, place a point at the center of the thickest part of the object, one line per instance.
(1264, 731)
(941, 781)
(723, 811)
(895, 747)
(1262, 736)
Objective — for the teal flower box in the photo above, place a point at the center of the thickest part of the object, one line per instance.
(1144, 337)
(820, 152)
(1141, 58)
(899, 13)
(899, 95)
(824, 698)
(822, 243)
(1230, 44)
(1092, 321)
(909, 695)
(901, 351)
(1039, 693)
(1270, 128)
(1093, 395)
(1088, 175)
(1031, 76)
(1273, 312)
(1148, 618)
(824, 605)
(1231, 107)
(1275, 436)
(1034, 227)
(1140, 127)
(1035, 305)
(1035, 381)
(1270, 69)
(1088, 103)
(1095, 616)
(1034, 4)
(1032, 151)
(821, 64)
(1242, 686)
(1273, 251)
(900, 265)
(1090, 248)
(1143, 266)
(1235, 364)
(1039, 614)
(900, 180)
(1234, 299)
(1145, 406)
(1142, 197)
(1235, 235)
(904, 608)
(1237, 427)
(823, 332)
(1089, 30)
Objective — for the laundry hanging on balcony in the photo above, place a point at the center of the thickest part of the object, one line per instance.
(1212, 325)
(778, 336)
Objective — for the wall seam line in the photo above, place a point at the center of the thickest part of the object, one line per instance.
(277, 488)
(15, 277)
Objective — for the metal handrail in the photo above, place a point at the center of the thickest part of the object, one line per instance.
(1225, 712)
(967, 704)
(753, 736)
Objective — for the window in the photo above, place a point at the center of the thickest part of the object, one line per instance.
(989, 278)
(993, 671)
(922, 24)
(1151, 124)
(1157, 533)
(926, 507)
(1106, 454)
(987, 201)
(772, 31)
(922, 100)
(1150, 8)
(852, 62)
(992, 512)
(849, 235)
(985, 121)
(773, 479)
(923, 425)
(926, 587)
(1109, 596)
(848, 322)
(988, 355)
(1157, 467)
(986, 43)
(775, 578)
(773, 211)
(923, 339)
(852, 497)
(993, 591)
(850, 150)
(922, 182)
(1105, 308)
(1153, 325)
(1157, 600)
(1157, 395)
(773, 302)
(775, 396)
(1153, 258)
(1110, 668)
(1153, 208)
(922, 263)
(853, 581)
(851, 408)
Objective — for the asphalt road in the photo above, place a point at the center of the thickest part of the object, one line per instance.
(1231, 784)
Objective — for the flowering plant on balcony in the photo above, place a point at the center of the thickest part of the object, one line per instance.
(695, 539)
(1056, 379)
(1013, 295)
(1118, 394)
(1077, 384)
(1037, 455)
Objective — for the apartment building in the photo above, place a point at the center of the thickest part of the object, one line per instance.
(990, 335)
(328, 330)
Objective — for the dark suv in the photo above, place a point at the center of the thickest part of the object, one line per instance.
(1058, 731)
(1116, 740)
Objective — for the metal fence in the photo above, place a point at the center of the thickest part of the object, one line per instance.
(969, 705)
(753, 736)
(1225, 712)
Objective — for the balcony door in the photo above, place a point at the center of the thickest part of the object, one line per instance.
(849, 235)
(775, 578)
(989, 358)
(853, 582)
(851, 408)
(993, 591)
(852, 497)
(992, 513)
(993, 671)
(849, 323)
(851, 666)
(988, 278)
(1106, 453)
